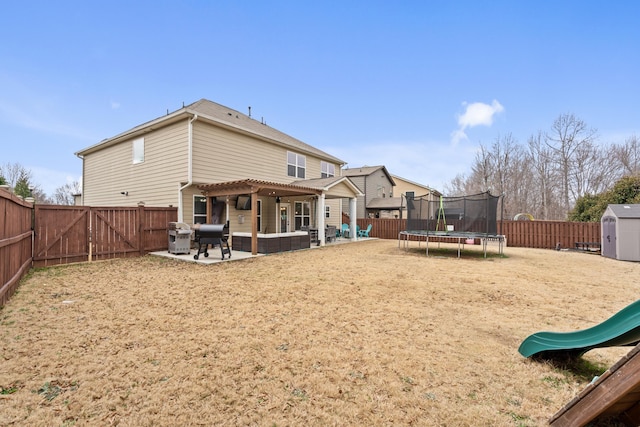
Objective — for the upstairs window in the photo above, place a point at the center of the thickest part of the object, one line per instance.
(138, 150)
(296, 165)
(327, 170)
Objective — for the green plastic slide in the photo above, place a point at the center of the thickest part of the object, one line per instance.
(621, 329)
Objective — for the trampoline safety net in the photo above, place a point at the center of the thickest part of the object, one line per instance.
(476, 214)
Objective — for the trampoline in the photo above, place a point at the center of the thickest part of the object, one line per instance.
(461, 219)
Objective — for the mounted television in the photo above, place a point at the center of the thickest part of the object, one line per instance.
(243, 203)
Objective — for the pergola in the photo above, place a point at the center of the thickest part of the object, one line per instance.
(256, 188)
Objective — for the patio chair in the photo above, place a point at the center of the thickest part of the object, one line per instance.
(365, 232)
(345, 230)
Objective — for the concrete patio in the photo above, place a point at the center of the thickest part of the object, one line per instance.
(215, 256)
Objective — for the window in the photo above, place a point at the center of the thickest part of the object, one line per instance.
(302, 214)
(259, 216)
(296, 165)
(138, 150)
(327, 170)
(199, 210)
(327, 211)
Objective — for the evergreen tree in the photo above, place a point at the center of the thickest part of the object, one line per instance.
(590, 208)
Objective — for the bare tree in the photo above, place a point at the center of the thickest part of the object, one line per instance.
(14, 173)
(482, 169)
(20, 179)
(64, 195)
(628, 156)
(568, 134)
(457, 186)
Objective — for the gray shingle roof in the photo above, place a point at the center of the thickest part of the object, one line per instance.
(626, 211)
(224, 116)
(234, 118)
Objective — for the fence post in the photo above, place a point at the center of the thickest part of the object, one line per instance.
(141, 227)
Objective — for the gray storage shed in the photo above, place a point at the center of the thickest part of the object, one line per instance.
(620, 232)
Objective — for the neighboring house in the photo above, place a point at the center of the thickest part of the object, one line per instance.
(378, 199)
(216, 164)
(404, 185)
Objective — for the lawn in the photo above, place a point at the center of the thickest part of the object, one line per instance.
(355, 334)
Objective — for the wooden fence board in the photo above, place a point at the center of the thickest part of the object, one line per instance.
(526, 234)
(60, 235)
(15, 242)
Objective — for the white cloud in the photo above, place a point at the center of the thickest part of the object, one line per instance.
(457, 136)
(115, 105)
(475, 114)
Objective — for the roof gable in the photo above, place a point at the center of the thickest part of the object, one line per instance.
(327, 184)
(415, 184)
(625, 211)
(367, 171)
(218, 115)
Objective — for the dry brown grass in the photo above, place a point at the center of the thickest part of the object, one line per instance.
(357, 334)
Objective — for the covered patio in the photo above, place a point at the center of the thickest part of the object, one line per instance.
(280, 196)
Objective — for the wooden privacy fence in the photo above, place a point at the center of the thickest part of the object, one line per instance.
(525, 234)
(65, 234)
(15, 242)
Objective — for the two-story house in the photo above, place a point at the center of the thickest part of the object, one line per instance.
(377, 199)
(404, 186)
(216, 164)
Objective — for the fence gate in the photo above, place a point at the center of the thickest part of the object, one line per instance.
(65, 234)
(61, 235)
(115, 233)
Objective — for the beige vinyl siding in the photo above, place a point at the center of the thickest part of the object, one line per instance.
(221, 155)
(402, 187)
(336, 213)
(187, 203)
(359, 181)
(155, 181)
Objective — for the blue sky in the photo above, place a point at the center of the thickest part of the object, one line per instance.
(413, 85)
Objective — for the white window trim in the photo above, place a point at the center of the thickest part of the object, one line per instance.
(327, 170)
(137, 150)
(194, 209)
(302, 215)
(299, 160)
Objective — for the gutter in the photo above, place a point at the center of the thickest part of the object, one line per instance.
(189, 169)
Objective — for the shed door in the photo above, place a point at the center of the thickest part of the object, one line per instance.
(609, 237)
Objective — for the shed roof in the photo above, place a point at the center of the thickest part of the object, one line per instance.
(625, 211)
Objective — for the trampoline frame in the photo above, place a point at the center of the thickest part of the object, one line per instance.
(404, 238)
(486, 234)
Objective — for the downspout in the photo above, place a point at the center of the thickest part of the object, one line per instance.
(81, 157)
(189, 168)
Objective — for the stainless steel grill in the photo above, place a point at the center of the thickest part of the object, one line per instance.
(179, 238)
(212, 234)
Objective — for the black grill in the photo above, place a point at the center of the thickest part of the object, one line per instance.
(212, 234)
